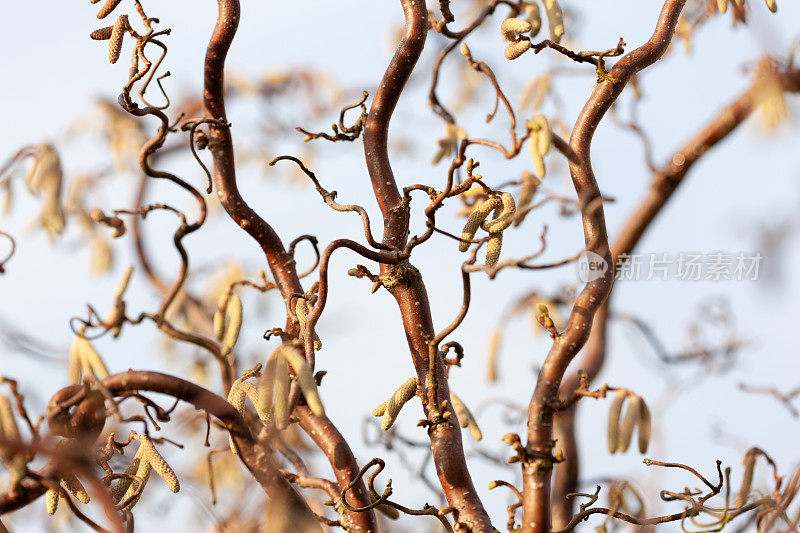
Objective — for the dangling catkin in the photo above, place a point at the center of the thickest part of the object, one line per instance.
(51, 500)
(391, 408)
(123, 484)
(281, 384)
(772, 5)
(115, 40)
(530, 184)
(493, 248)
(613, 419)
(107, 8)
(534, 18)
(475, 219)
(504, 217)
(492, 354)
(142, 472)
(304, 378)
(555, 19)
(516, 49)
(465, 417)
(71, 482)
(644, 430)
(157, 462)
(233, 313)
(629, 422)
(103, 34)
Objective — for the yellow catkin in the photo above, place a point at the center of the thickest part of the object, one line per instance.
(236, 399)
(475, 219)
(516, 49)
(123, 484)
(305, 379)
(537, 159)
(542, 134)
(402, 395)
(51, 500)
(492, 355)
(90, 361)
(107, 8)
(493, 248)
(534, 18)
(645, 427)
(252, 392)
(512, 27)
(629, 423)
(301, 310)
(115, 40)
(465, 417)
(233, 312)
(219, 324)
(143, 472)
(749, 462)
(378, 411)
(722, 6)
(71, 482)
(502, 218)
(267, 381)
(555, 19)
(103, 34)
(8, 424)
(15, 462)
(530, 185)
(157, 463)
(75, 362)
(281, 384)
(613, 419)
(772, 5)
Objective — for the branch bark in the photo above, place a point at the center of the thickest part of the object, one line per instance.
(538, 464)
(407, 285)
(665, 182)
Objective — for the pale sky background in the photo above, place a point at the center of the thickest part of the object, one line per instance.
(748, 185)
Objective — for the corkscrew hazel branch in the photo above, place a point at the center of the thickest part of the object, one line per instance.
(330, 199)
(340, 131)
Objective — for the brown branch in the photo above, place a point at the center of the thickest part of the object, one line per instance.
(405, 282)
(665, 182)
(538, 464)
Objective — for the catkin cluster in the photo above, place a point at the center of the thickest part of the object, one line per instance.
(389, 409)
(513, 29)
(228, 322)
(242, 388)
(541, 139)
(637, 415)
(84, 361)
(504, 211)
(128, 490)
(44, 180)
(276, 380)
